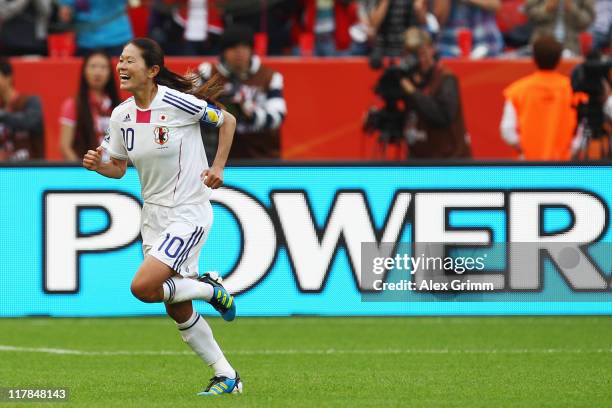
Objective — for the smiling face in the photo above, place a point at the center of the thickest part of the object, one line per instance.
(134, 75)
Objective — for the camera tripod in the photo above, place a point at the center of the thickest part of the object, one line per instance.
(592, 146)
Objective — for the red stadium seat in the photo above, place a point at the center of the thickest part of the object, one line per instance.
(586, 42)
(61, 45)
(139, 17)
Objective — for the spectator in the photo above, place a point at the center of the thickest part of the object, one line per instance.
(390, 19)
(21, 120)
(329, 22)
(253, 94)
(562, 19)
(166, 26)
(324, 28)
(186, 27)
(202, 28)
(275, 20)
(23, 26)
(478, 16)
(85, 118)
(539, 119)
(602, 26)
(434, 126)
(98, 24)
(362, 31)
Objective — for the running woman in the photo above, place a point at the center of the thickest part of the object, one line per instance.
(158, 130)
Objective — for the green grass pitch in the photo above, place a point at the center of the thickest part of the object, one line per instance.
(318, 362)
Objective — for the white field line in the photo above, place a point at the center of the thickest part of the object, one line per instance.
(46, 350)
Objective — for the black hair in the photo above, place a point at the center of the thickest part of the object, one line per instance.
(237, 34)
(84, 118)
(153, 55)
(547, 52)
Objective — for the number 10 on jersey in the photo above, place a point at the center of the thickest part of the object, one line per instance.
(128, 138)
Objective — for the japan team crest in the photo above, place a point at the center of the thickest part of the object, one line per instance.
(162, 135)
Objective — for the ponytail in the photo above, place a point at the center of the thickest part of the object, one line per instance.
(191, 83)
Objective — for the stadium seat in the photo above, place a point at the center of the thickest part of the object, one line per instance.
(61, 44)
(586, 42)
(139, 17)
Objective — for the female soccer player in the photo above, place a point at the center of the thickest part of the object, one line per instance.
(85, 118)
(158, 130)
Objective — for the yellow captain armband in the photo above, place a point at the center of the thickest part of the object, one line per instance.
(212, 116)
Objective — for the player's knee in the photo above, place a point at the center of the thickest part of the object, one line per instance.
(143, 292)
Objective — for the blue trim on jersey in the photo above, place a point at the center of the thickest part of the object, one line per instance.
(176, 105)
(186, 255)
(182, 101)
(186, 104)
(179, 98)
(177, 262)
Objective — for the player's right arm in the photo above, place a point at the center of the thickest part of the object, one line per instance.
(114, 145)
(114, 168)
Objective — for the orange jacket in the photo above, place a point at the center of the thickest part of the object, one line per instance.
(545, 115)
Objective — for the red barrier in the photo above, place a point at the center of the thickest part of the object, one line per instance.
(326, 98)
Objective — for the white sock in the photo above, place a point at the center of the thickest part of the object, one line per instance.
(223, 368)
(197, 333)
(178, 289)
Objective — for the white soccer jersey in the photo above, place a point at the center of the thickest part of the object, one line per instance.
(165, 145)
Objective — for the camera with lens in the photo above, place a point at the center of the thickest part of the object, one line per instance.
(390, 119)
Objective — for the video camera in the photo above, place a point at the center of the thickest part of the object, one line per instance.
(390, 119)
(589, 78)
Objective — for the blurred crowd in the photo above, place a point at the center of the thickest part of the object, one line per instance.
(476, 28)
(422, 103)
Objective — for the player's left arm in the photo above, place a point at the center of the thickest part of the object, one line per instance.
(213, 177)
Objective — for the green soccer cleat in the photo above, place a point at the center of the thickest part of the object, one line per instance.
(222, 301)
(222, 385)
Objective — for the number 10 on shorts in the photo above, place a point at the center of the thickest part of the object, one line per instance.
(173, 246)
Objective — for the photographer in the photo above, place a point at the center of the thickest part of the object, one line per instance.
(434, 124)
(253, 93)
(591, 81)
